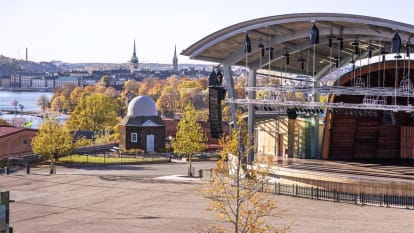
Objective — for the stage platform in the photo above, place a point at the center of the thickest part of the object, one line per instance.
(375, 178)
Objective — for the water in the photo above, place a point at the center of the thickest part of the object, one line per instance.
(28, 100)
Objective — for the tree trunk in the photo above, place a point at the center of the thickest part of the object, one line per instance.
(236, 228)
(190, 171)
(52, 159)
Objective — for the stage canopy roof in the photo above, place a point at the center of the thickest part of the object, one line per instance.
(289, 34)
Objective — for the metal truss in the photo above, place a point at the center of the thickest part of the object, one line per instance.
(336, 90)
(278, 105)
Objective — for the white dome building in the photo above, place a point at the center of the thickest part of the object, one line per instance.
(142, 128)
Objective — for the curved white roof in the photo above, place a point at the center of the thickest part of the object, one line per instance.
(142, 106)
(290, 33)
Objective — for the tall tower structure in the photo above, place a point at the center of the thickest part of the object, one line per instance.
(175, 59)
(134, 60)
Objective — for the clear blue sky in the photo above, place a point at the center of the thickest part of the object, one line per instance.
(103, 30)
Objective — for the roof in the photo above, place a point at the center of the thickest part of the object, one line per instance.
(142, 106)
(142, 121)
(290, 34)
(10, 130)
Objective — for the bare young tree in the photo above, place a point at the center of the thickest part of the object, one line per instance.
(235, 193)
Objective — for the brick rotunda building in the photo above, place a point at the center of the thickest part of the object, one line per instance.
(142, 128)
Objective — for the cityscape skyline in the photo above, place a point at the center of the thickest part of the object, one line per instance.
(103, 32)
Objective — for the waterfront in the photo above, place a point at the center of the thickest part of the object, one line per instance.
(28, 100)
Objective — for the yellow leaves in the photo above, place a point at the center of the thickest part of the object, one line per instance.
(190, 137)
(52, 139)
(95, 112)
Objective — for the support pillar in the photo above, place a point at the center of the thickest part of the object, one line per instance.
(228, 76)
(291, 138)
(251, 117)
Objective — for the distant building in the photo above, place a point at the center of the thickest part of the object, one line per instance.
(142, 128)
(134, 60)
(15, 141)
(5, 82)
(175, 60)
(61, 81)
(39, 82)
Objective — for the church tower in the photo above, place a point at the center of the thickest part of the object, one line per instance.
(134, 60)
(175, 60)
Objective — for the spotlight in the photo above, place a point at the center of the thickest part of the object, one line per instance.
(407, 49)
(356, 47)
(341, 43)
(302, 62)
(271, 53)
(262, 49)
(396, 43)
(330, 38)
(314, 35)
(247, 44)
(286, 54)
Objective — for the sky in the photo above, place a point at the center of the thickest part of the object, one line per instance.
(103, 30)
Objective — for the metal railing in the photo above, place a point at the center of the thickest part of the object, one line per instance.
(382, 200)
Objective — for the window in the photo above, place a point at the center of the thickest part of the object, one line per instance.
(134, 137)
(24, 141)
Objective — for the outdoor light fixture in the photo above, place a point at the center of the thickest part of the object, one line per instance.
(396, 43)
(369, 50)
(302, 62)
(286, 54)
(247, 44)
(407, 48)
(262, 49)
(314, 35)
(356, 47)
(330, 38)
(341, 43)
(271, 53)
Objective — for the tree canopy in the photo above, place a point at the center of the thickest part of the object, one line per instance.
(94, 112)
(190, 137)
(43, 102)
(52, 140)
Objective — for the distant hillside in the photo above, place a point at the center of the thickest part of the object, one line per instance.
(10, 65)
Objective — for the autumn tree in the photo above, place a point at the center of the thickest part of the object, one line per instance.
(63, 93)
(15, 103)
(105, 81)
(234, 192)
(43, 102)
(131, 86)
(95, 112)
(168, 101)
(190, 137)
(53, 140)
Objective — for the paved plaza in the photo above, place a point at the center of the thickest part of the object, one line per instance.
(156, 198)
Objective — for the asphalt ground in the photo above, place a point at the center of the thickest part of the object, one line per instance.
(158, 198)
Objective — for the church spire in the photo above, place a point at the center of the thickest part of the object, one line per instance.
(135, 51)
(134, 60)
(175, 59)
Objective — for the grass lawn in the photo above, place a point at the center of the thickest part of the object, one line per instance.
(106, 160)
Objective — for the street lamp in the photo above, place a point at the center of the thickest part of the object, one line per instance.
(169, 151)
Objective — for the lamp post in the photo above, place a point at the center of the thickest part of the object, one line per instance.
(169, 151)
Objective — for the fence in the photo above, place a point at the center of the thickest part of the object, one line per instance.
(295, 190)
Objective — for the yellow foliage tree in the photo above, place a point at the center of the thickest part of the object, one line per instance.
(53, 140)
(93, 113)
(190, 137)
